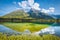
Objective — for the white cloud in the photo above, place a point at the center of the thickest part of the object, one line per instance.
(45, 11)
(51, 9)
(24, 4)
(27, 5)
(19, 4)
(30, 2)
(36, 6)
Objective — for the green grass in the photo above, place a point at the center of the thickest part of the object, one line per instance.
(33, 27)
(28, 37)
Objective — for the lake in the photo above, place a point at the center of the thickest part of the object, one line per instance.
(4, 29)
(55, 27)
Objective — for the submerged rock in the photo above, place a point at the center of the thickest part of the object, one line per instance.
(26, 32)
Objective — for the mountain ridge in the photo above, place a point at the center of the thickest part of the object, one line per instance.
(31, 14)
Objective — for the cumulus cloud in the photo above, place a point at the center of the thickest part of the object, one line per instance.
(36, 6)
(25, 5)
(19, 4)
(45, 11)
(30, 4)
(51, 9)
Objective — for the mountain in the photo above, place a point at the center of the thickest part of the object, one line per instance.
(56, 16)
(31, 14)
(37, 14)
(17, 14)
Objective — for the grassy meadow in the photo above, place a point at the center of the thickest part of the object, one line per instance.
(20, 27)
(28, 37)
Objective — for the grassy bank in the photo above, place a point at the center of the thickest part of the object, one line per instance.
(23, 26)
(28, 37)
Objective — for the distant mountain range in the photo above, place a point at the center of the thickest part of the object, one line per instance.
(31, 14)
(56, 16)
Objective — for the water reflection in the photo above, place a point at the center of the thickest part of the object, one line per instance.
(53, 29)
(5, 30)
(55, 26)
(56, 30)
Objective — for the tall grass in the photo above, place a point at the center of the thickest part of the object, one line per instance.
(28, 37)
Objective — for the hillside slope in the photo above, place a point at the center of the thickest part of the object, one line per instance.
(30, 14)
(16, 14)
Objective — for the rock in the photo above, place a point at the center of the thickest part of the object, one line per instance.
(27, 32)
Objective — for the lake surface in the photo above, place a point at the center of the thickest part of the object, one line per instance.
(56, 30)
(4, 29)
(56, 27)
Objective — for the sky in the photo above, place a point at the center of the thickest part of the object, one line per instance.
(46, 6)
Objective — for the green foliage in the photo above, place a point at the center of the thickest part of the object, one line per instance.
(50, 37)
(33, 27)
(16, 14)
(28, 37)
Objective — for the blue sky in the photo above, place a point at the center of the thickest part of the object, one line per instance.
(7, 6)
